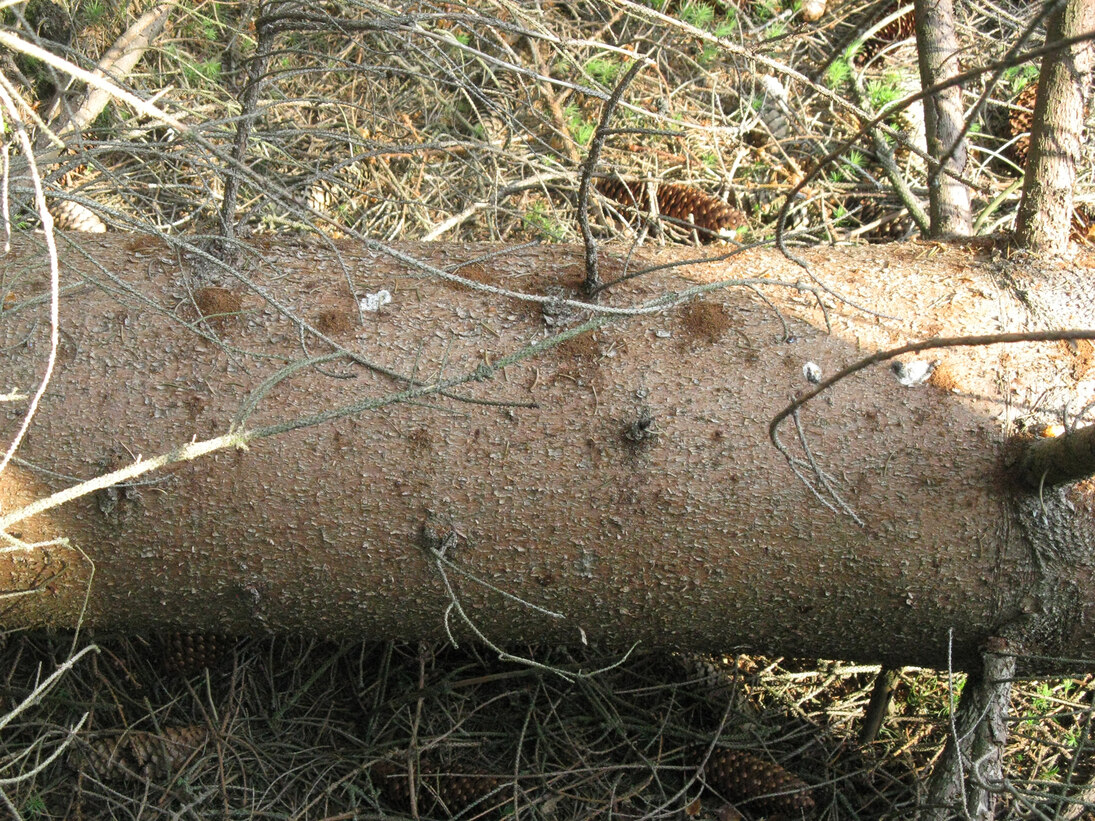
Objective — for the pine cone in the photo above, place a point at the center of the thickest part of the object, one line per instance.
(185, 654)
(340, 194)
(630, 195)
(741, 776)
(137, 754)
(1020, 119)
(497, 111)
(894, 221)
(324, 196)
(713, 217)
(438, 792)
(902, 28)
(707, 671)
(391, 779)
(683, 205)
(458, 792)
(770, 101)
(71, 216)
(1083, 224)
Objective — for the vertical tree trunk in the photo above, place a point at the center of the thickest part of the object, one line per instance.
(966, 780)
(937, 43)
(1045, 211)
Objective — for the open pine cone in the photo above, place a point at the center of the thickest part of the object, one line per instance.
(186, 654)
(902, 28)
(136, 754)
(71, 216)
(894, 222)
(1020, 119)
(682, 205)
(741, 776)
(437, 792)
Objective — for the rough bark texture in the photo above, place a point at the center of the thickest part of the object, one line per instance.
(968, 779)
(944, 117)
(640, 498)
(1045, 211)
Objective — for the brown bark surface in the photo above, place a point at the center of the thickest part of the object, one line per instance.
(1044, 221)
(944, 117)
(640, 497)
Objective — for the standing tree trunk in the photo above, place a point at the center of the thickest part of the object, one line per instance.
(1045, 211)
(966, 781)
(944, 118)
(622, 478)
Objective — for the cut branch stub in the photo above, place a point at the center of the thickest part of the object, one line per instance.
(1059, 460)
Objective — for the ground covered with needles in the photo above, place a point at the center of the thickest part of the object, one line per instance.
(209, 727)
(454, 121)
(458, 122)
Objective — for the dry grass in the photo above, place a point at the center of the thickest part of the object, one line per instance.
(471, 121)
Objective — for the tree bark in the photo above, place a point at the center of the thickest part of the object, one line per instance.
(944, 118)
(967, 780)
(640, 497)
(1044, 222)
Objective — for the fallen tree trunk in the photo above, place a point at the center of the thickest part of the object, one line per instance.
(622, 479)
